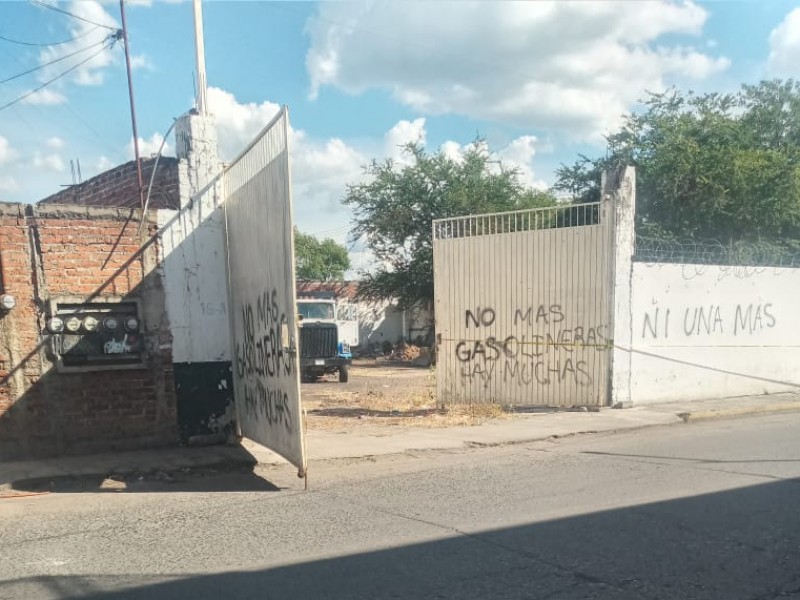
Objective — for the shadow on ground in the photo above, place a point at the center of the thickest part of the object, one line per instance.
(737, 544)
(217, 469)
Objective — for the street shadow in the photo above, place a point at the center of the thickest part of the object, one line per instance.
(220, 469)
(736, 544)
(239, 479)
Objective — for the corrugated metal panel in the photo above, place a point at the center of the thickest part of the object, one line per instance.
(522, 309)
(258, 216)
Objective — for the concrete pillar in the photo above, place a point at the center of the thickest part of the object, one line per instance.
(619, 188)
(198, 154)
(195, 275)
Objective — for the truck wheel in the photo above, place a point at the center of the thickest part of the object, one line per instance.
(343, 374)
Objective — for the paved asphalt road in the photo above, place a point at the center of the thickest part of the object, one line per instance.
(705, 510)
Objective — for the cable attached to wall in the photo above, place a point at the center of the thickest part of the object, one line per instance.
(153, 175)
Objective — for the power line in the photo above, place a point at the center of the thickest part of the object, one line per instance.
(73, 15)
(56, 78)
(54, 61)
(47, 116)
(38, 44)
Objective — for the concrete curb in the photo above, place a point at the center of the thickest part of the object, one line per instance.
(721, 413)
(57, 476)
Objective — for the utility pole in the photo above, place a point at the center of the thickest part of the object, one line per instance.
(133, 108)
(200, 53)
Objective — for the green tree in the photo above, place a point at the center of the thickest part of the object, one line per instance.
(713, 166)
(322, 260)
(394, 211)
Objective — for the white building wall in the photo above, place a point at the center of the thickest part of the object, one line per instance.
(195, 281)
(193, 243)
(700, 331)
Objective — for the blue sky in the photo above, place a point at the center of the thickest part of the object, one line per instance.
(541, 81)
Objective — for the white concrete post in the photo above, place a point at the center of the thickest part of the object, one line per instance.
(197, 151)
(620, 188)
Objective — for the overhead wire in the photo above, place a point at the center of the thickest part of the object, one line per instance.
(56, 78)
(54, 61)
(48, 117)
(41, 44)
(73, 15)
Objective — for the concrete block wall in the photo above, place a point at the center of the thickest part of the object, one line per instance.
(87, 253)
(686, 331)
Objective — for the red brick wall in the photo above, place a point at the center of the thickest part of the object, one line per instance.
(120, 187)
(89, 253)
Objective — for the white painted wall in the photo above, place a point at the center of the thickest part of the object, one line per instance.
(192, 240)
(379, 322)
(701, 332)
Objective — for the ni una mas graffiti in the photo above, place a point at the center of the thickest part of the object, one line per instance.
(261, 362)
(707, 321)
(530, 356)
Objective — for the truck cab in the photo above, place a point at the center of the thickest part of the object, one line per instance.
(325, 342)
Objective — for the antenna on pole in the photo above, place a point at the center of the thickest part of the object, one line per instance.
(200, 52)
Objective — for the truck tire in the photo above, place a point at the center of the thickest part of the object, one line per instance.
(343, 374)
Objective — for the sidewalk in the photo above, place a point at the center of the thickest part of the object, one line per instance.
(376, 441)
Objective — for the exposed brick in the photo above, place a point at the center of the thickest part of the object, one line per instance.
(43, 411)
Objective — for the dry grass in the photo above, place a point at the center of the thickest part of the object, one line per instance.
(388, 397)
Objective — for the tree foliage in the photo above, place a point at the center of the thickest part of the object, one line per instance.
(395, 209)
(319, 260)
(712, 166)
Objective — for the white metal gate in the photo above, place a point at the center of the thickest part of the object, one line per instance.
(523, 308)
(259, 241)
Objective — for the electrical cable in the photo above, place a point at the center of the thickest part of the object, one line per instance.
(54, 61)
(56, 78)
(66, 12)
(46, 116)
(38, 44)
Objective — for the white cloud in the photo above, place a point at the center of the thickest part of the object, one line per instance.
(320, 168)
(237, 124)
(518, 154)
(54, 143)
(784, 46)
(8, 184)
(402, 134)
(7, 153)
(50, 162)
(149, 147)
(141, 61)
(575, 66)
(89, 37)
(104, 164)
(45, 97)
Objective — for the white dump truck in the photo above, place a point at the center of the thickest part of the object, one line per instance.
(328, 333)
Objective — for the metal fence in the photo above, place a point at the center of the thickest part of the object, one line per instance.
(258, 231)
(522, 307)
(551, 217)
(750, 254)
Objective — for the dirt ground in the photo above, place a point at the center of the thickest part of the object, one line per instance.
(380, 392)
